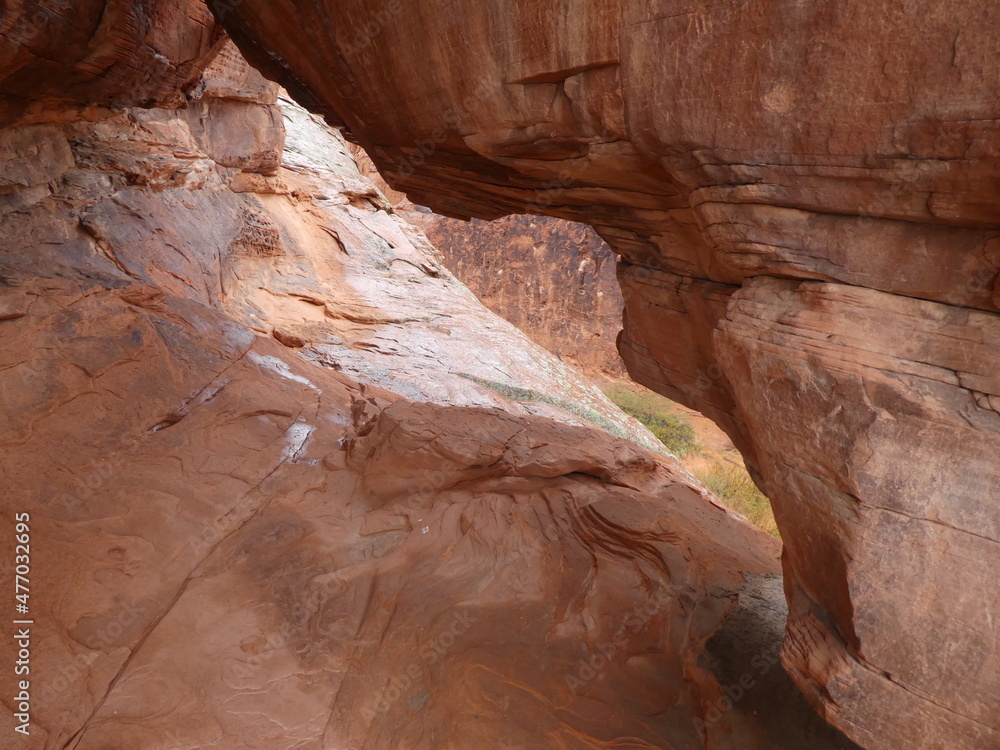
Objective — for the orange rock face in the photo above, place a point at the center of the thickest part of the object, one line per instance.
(261, 552)
(804, 196)
(92, 53)
(287, 484)
(554, 280)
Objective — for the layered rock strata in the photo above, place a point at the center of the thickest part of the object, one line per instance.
(287, 484)
(804, 197)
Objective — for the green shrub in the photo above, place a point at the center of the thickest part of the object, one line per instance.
(727, 480)
(654, 411)
(735, 489)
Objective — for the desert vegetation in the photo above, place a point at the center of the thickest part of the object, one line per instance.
(719, 468)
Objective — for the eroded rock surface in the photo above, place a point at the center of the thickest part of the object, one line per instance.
(264, 553)
(805, 198)
(67, 54)
(554, 280)
(272, 503)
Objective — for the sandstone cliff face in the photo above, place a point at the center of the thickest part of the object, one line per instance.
(278, 497)
(554, 280)
(804, 197)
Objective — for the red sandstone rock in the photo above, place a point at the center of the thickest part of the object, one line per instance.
(239, 541)
(90, 53)
(739, 156)
(263, 551)
(554, 280)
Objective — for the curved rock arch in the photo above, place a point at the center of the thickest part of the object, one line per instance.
(804, 198)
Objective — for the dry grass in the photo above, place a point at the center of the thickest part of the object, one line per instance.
(731, 483)
(722, 471)
(656, 413)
